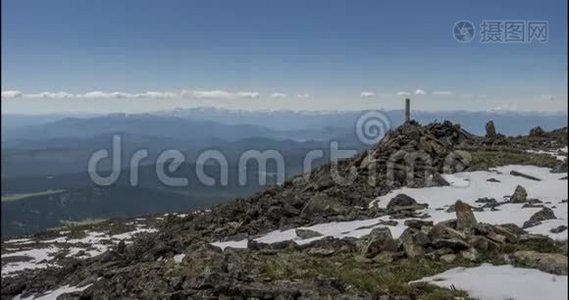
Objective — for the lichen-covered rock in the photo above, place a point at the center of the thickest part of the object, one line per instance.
(306, 233)
(417, 223)
(413, 242)
(545, 213)
(490, 129)
(379, 240)
(554, 263)
(465, 219)
(520, 195)
(536, 132)
(400, 200)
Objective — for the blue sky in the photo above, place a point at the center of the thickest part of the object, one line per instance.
(104, 56)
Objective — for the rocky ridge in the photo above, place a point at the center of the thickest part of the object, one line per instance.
(151, 266)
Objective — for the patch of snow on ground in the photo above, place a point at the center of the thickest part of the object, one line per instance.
(94, 243)
(39, 259)
(179, 257)
(58, 292)
(129, 235)
(550, 189)
(466, 186)
(356, 229)
(231, 244)
(17, 241)
(502, 282)
(554, 153)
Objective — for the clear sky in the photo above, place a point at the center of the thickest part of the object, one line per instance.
(138, 55)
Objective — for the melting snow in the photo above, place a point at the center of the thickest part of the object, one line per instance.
(179, 257)
(502, 282)
(58, 292)
(554, 153)
(93, 244)
(466, 186)
(39, 259)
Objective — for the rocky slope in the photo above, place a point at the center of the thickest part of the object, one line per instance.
(361, 228)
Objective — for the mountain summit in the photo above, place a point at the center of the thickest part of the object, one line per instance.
(422, 200)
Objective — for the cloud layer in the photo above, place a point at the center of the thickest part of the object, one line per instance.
(195, 94)
(217, 94)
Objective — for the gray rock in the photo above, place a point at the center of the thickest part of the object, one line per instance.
(306, 233)
(320, 252)
(465, 220)
(448, 258)
(379, 240)
(417, 224)
(324, 205)
(400, 200)
(520, 195)
(453, 244)
(511, 233)
(536, 132)
(441, 231)
(414, 242)
(470, 254)
(542, 215)
(481, 243)
(520, 174)
(558, 229)
(554, 263)
(488, 202)
(490, 130)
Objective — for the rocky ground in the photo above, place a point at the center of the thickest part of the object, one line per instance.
(425, 200)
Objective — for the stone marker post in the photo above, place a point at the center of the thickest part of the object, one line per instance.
(407, 109)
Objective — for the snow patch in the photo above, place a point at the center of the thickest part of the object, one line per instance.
(58, 292)
(179, 257)
(502, 282)
(466, 186)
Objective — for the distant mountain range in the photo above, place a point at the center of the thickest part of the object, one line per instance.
(41, 154)
(508, 122)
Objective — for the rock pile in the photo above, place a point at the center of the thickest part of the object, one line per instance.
(536, 132)
(411, 155)
(464, 238)
(490, 130)
(415, 155)
(492, 137)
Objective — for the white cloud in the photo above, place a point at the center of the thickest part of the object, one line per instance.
(504, 107)
(278, 95)
(198, 94)
(442, 93)
(50, 95)
(102, 95)
(10, 94)
(420, 92)
(403, 93)
(219, 94)
(367, 94)
(155, 95)
(105, 95)
(213, 94)
(250, 95)
(303, 96)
